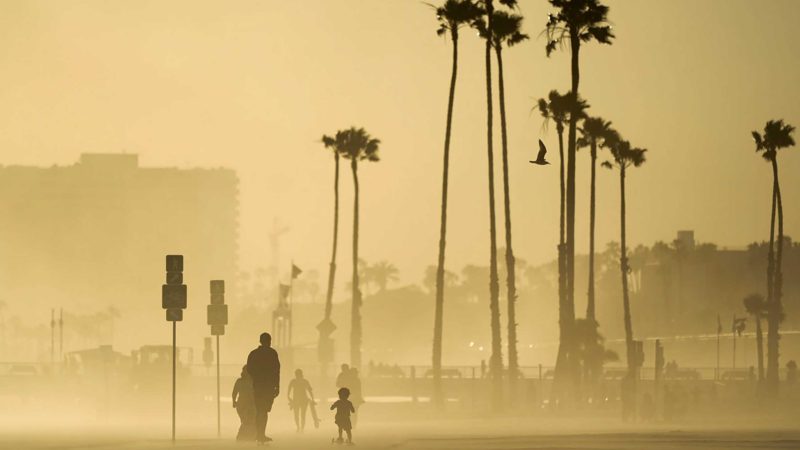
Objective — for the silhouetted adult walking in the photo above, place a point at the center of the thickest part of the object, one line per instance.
(265, 369)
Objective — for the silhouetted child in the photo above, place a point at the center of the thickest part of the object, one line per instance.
(343, 409)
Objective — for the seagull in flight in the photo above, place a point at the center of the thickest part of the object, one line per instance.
(540, 156)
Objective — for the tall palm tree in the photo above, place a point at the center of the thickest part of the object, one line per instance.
(506, 31)
(625, 157)
(576, 22)
(756, 306)
(594, 131)
(777, 135)
(558, 108)
(326, 327)
(451, 16)
(357, 145)
(496, 360)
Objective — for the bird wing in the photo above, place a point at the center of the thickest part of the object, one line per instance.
(542, 151)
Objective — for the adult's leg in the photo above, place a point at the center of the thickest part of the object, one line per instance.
(303, 410)
(261, 414)
(296, 411)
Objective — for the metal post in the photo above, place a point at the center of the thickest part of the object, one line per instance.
(174, 354)
(716, 374)
(61, 335)
(52, 336)
(219, 432)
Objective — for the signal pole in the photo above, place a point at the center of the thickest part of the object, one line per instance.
(217, 313)
(173, 299)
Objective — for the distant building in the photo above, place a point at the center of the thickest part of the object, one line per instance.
(95, 234)
(685, 286)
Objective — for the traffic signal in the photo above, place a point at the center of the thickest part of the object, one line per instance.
(217, 311)
(173, 294)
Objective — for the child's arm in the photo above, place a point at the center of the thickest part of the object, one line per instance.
(352, 408)
(334, 405)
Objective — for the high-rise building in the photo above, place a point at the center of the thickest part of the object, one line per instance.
(94, 234)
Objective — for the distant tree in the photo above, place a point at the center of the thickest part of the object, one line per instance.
(357, 146)
(575, 22)
(625, 157)
(382, 273)
(777, 135)
(452, 15)
(756, 307)
(594, 132)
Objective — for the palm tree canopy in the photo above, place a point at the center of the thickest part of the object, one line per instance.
(777, 135)
(624, 155)
(455, 13)
(357, 144)
(755, 304)
(594, 130)
(336, 143)
(506, 28)
(558, 107)
(586, 19)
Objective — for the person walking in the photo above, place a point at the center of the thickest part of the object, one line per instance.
(244, 402)
(300, 395)
(265, 369)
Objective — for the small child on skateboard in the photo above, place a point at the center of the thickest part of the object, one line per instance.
(343, 409)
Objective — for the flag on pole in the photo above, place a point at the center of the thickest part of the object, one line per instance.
(296, 271)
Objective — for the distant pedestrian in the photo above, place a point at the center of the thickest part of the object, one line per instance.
(343, 409)
(265, 369)
(300, 396)
(245, 404)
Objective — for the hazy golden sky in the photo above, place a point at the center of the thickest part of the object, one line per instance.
(252, 85)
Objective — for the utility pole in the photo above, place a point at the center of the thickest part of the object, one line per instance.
(173, 299)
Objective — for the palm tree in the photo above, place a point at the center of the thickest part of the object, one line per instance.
(559, 108)
(576, 21)
(326, 327)
(777, 135)
(756, 306)
(624, 157)
(357, 145)
(594, 131)
(451, 16)
(496, 360)
(506, 31)
(382, 273)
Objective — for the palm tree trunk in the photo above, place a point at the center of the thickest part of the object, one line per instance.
(513, 365)
(332, 271)
(590, 309)
(496, 361)
(563, 322)
(326, 327)
(438, 395)
(775, 309)
(355, 316)
(570, 239)
(623, 265)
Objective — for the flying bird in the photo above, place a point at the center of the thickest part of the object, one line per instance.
(540, 156)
